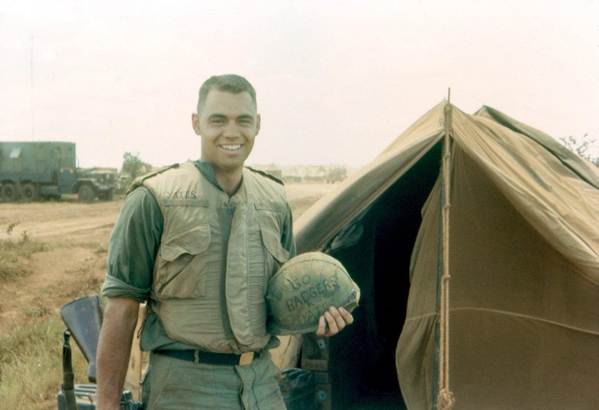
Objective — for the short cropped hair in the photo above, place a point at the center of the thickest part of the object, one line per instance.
(230, 83)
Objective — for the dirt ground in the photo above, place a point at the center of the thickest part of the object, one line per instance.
(77, 236)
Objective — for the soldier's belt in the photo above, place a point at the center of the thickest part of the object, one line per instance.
(199, 356)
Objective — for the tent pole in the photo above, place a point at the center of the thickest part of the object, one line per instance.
(445, 399)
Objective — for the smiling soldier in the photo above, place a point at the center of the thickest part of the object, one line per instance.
(198, 242)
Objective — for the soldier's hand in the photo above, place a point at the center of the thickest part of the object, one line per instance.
(333, 321)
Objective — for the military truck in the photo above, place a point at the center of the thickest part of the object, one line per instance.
(34, 170)
(336, 174)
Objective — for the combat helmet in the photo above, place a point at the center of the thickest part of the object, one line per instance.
(304, 288)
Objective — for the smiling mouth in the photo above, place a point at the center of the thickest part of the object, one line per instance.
(231, 147)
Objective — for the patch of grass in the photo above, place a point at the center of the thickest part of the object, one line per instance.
(10, 267)
(81, 284)
(11, 251)
(39, 310)
(11, 227)
(85, 287)
(97, 247)
(31, 365)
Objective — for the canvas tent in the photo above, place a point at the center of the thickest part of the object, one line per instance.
(480, 278)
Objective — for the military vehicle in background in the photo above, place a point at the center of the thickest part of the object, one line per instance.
(34, 170)
(336, 174)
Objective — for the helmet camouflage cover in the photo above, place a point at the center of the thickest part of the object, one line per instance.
(304, 288)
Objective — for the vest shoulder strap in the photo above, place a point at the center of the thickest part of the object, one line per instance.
(267, 175)
(137, 182)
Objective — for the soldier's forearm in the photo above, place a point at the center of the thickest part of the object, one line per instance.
(114, 348)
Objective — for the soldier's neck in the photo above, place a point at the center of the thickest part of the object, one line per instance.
(229, 181)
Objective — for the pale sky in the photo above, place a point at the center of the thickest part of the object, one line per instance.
(337, 81)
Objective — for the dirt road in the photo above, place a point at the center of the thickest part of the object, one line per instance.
(53, 221)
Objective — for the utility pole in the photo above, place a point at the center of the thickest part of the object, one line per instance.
(31, 92)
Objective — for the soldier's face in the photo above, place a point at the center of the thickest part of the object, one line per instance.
(228, 124)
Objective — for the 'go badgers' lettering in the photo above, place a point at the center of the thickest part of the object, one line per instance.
(307, 292)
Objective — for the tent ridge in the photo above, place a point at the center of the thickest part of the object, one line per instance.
(569, 159)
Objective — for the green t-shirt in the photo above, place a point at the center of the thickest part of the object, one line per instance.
(133, 247)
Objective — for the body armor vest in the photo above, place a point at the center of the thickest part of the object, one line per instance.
(187, 291)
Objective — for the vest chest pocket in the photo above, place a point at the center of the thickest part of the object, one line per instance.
(276, 255)
(268, 220)
(272, 242)
(182, 269)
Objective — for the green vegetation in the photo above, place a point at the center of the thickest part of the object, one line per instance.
(133, 166)
(97, 247)
(587, 148)
(31, 355)
(11, 251)
(31, 364)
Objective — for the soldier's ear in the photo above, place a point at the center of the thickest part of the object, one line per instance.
(195, 123)
(258, 124)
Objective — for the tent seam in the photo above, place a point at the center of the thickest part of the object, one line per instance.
(552, 322)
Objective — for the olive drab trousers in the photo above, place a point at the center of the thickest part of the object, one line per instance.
(175, 384)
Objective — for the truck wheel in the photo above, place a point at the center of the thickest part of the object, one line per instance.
(8, 192)
(29, 192)
(86, 193)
